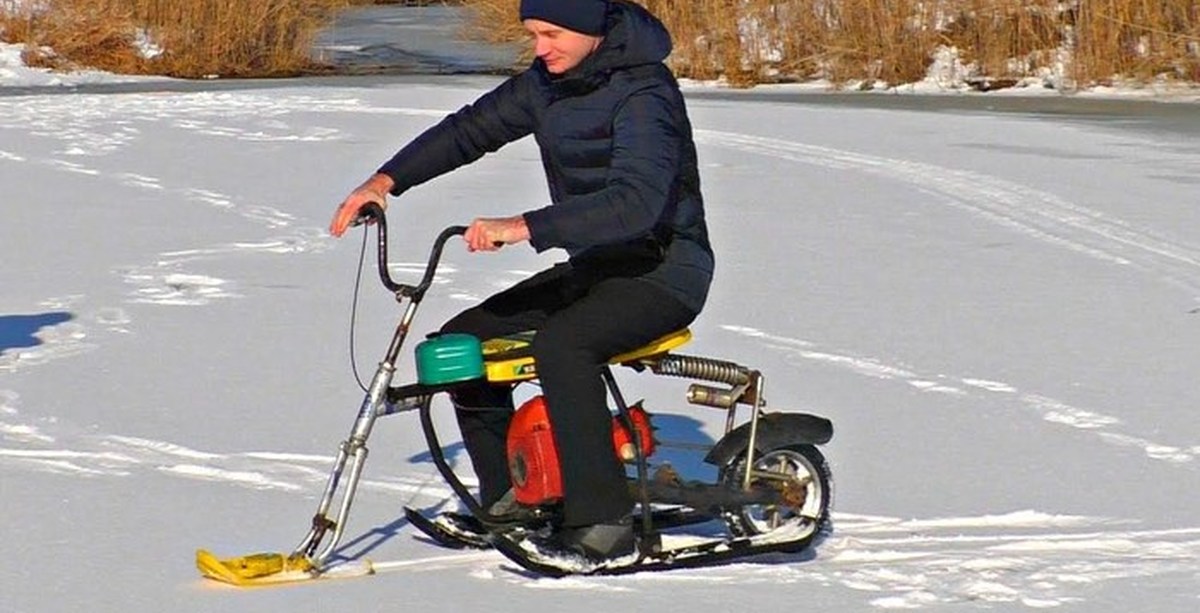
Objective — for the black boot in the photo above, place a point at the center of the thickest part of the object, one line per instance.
(597, 542)
(505, 513)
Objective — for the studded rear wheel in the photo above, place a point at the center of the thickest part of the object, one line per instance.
(801, 477)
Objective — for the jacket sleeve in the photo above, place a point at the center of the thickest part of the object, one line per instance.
(497, 118)
(642, 173)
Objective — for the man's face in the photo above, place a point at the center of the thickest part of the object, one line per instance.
(561, 49)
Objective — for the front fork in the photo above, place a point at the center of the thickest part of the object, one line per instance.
(353, 452)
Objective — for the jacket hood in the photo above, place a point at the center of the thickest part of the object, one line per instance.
(635, 37)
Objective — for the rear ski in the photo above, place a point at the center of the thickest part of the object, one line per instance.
(455, 531)
(525, 553)
(464, 531)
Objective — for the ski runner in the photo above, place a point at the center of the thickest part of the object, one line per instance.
(618, 154)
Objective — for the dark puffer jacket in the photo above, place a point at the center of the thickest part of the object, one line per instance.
(617, 149)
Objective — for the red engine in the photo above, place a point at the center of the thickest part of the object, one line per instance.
(533, 457)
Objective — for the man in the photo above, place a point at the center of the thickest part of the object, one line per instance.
(617, 149)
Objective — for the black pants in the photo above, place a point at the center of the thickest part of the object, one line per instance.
(583, 317)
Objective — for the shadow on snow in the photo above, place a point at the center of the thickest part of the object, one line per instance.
(18, 331)
(673, 428)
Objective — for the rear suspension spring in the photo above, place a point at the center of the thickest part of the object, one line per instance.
(705, 369)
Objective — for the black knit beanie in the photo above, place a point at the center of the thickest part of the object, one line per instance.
(583, 16)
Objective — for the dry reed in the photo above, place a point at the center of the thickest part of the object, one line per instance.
(1080, 42)
(198, 37)
(1084, 42)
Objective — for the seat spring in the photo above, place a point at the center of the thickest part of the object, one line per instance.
(706, 369)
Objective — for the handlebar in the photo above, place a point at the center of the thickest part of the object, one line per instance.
(373, 210)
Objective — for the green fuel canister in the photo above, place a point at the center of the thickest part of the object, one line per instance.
(449, 358)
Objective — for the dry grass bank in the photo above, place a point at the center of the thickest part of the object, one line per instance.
(1080, 42)
(199, 37)
(1083, 42)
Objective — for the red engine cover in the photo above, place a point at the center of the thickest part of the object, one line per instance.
(533, 458)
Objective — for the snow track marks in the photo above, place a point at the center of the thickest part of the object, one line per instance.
(1039, 215)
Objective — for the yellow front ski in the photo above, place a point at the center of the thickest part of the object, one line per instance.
(271, 569)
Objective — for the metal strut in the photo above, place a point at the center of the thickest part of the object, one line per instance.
(651, 541)
(746, 386)
(352, 451)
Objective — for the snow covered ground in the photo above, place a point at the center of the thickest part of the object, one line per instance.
(999, 312)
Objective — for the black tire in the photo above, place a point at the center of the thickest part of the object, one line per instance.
(800, 466)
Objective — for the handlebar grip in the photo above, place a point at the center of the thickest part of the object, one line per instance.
(367, 212)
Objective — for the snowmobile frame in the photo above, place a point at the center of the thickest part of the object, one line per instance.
(736, 452)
